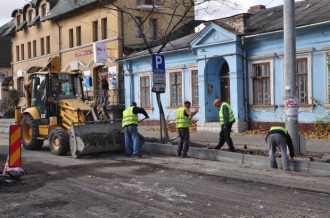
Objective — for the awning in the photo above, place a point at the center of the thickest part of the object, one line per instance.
(8, 81)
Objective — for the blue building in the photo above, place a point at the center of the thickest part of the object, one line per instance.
(239, 59)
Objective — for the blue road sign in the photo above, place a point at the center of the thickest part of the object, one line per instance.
(158, 63)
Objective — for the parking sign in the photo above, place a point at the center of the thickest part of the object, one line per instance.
(158, 63)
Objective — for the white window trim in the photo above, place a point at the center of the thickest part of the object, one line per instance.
(168, 84)
(271, 76)
(309, 57)
(139, 85)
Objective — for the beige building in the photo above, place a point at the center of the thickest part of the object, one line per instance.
(69, 28)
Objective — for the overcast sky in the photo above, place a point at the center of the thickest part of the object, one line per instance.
(7, 7)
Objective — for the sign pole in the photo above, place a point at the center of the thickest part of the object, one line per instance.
(158, 69)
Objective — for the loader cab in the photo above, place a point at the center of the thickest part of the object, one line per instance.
(65, 86)
(48, 90)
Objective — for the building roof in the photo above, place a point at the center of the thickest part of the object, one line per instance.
(179, 44)
(262, 21)
(65, 6)
(57, 8)
(306, 13)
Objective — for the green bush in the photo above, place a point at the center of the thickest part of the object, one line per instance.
(9, 105)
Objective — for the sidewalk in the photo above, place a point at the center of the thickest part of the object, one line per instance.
(251, 140)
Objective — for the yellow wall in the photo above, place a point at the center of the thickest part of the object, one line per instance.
(58, 30)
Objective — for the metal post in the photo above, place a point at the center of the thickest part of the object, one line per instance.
(291, 122)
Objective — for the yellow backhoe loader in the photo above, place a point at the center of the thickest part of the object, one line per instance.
(56, 110)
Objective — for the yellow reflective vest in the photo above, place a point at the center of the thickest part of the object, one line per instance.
(129, 117)
(182, 121)
(279, 128)
(230, 112)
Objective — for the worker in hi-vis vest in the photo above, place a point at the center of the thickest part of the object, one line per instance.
(182, 123)
(279, 137)
(226, 117)
(130, 122)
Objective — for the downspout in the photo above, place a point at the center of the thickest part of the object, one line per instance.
(121, 86)
(59, 41)
(122, 30)
(246, 100)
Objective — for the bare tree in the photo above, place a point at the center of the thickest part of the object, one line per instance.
(140, 19)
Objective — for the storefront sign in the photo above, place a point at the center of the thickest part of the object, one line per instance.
(100, 52)
(85, 52)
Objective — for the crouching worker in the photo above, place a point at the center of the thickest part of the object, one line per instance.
(279, 137)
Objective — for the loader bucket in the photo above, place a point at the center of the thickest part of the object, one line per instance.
(97, 138)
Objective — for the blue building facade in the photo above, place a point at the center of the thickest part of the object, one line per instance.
(240, 60)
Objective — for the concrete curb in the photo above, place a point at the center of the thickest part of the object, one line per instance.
(306, 166)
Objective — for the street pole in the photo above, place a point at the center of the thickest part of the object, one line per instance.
(291, 122)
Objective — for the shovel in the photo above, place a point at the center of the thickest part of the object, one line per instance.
(138, 122)
(175, 137)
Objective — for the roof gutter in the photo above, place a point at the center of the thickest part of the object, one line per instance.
(279, 31)
(140, 56)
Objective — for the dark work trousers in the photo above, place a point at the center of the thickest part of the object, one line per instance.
(224, 136)
(183, 145)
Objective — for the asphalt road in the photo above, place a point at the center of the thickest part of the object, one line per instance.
(113, 185)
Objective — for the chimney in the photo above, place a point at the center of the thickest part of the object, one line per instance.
(256, 8)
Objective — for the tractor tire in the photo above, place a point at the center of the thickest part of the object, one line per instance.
(59, 142)
(30, 132)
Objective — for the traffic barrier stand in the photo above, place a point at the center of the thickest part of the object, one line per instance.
(13, 162)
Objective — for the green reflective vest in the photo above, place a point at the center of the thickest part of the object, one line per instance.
(182, 121)
(279, 128)
(230, 112)
(129, 117)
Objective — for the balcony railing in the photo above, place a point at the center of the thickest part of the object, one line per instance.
(115, 98)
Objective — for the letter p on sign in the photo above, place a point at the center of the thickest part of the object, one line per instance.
(158, 63)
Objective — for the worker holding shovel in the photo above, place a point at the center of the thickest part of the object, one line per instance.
(183, 124)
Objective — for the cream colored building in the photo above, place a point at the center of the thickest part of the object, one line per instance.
(68, 28)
